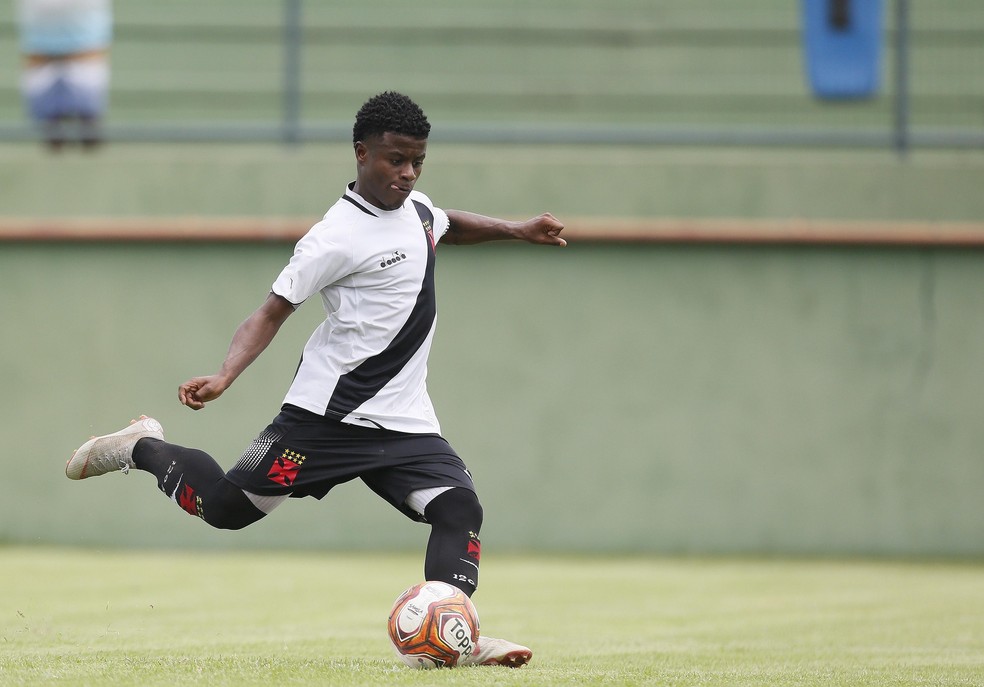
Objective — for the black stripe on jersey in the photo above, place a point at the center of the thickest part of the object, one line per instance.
(358, 205)
(359, 385)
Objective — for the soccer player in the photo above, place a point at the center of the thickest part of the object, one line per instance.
(358, 405)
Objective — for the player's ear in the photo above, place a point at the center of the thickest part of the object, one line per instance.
(361, 151)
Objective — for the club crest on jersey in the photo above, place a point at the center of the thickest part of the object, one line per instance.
(391, 259)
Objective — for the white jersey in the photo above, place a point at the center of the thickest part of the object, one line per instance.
(366, 364)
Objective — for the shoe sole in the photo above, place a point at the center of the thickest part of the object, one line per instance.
(513, 659)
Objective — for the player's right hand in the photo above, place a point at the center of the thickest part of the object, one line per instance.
(198, 391)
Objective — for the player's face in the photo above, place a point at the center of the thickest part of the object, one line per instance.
(388, 167)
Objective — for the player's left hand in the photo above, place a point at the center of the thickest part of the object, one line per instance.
(544, 229)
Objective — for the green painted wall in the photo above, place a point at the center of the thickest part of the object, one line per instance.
(588, 181)
(607, 397)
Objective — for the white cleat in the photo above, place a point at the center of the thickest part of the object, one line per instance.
(498, 652)
(112, 452)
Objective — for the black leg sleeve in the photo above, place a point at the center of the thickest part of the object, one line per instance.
(193, 480)
(454, 549)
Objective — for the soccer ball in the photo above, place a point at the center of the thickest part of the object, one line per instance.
(433, 625)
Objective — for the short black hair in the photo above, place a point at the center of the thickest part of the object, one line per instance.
(393, 112)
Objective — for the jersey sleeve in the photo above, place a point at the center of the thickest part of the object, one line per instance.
(441, 224)
(441, 221)
(319, 259)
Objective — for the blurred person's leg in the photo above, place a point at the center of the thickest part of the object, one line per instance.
(88, 82)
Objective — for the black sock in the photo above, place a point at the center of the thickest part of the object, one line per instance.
(192, 479)
(454, 549)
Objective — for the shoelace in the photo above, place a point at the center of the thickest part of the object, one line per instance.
(117, 456)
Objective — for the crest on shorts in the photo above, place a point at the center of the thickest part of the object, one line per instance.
(285, 468)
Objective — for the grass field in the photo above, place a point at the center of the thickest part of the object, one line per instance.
(73, 617)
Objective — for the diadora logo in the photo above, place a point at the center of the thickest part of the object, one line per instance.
(391, 259)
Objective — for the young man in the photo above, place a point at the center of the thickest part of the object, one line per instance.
(358, 404)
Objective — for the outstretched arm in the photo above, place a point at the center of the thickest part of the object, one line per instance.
(467, 228)
(251, 338)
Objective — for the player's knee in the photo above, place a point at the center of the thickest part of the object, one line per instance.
(457, 507)
(228, 508)
(226, 521)
(229, 519)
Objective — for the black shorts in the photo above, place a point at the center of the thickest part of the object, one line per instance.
(304, 454)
